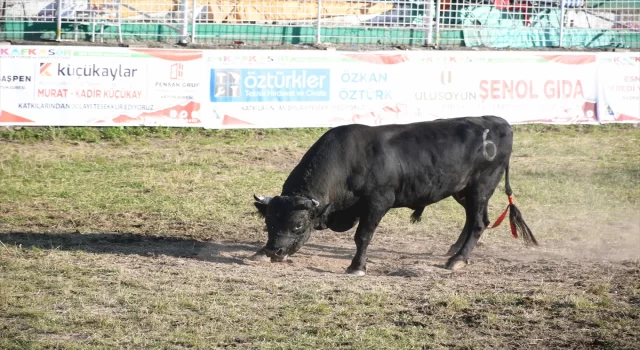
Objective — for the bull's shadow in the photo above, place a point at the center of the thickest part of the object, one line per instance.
(132, 244)
(148, 246)
(337, 252)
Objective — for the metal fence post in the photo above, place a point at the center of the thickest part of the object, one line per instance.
(561, 40)
(437, 29)
(318, 35)
(428, 21)
(193, 21)
(58, 20)
(184, 27)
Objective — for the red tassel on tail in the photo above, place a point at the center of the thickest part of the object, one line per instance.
(516, 223)
(514, 232)
(499, 221)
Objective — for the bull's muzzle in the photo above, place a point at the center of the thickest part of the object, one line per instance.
(276, 255)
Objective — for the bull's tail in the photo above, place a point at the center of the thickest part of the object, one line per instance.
(516, 220)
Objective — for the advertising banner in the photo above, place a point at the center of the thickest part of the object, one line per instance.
(299, 89)
(619, 87)
(380, 88)
(520, 87)
(92, 86)
(78, 86)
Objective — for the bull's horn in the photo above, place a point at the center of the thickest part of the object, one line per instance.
(261, 199)
(311, 203)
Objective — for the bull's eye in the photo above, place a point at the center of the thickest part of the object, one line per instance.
(298, 227)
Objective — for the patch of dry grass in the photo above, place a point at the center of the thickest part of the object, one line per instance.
(134, 238)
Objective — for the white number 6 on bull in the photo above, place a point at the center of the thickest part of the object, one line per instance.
(486, 143)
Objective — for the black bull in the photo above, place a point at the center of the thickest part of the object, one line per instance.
(355, 173)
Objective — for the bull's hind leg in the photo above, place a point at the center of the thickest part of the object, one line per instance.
(458, 245)
(475, 226)
(463, 235)
(476, 208)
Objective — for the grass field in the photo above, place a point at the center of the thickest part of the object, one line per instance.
(137, 238)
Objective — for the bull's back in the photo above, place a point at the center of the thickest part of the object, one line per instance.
(429, 161)
(419, 162)
(458, 138)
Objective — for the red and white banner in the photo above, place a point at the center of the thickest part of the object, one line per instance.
(619, 87)
(92, 86)
(100, 86)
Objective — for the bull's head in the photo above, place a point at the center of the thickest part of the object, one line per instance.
(290, 220)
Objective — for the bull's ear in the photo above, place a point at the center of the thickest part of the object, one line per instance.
(323, 217)
(261, 203)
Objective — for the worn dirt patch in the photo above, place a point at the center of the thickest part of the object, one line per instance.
(507, 296)
(395, 255)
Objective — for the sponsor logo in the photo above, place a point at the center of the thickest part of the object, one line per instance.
(176, 72)
(48, 69)
(530, 89)
(15, 78)
(362, 86)
(253, 85)
(35, 52)
(447, 93)
(12, 82)
(175, 85)
(226, 83)
(363, 78)
(44, 69)
(90, 93)
(176, 75)
(446, 96)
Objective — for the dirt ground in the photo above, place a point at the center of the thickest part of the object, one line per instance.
(391, 254)
(97, 251)
(567, 293)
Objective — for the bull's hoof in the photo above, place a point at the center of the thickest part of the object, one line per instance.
(355, 272)
(455, 264)
(259, 256)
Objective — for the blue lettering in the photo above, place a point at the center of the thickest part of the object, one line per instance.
(359, 78)
(261, 85)
(368, 94)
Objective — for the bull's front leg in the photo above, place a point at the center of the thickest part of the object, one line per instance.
(364, 234)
